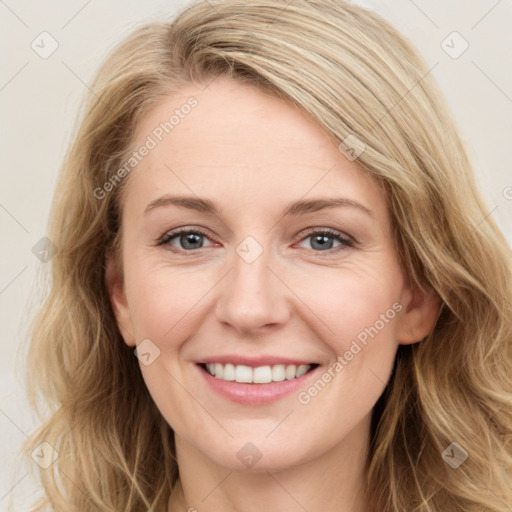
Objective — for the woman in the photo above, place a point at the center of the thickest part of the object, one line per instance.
(339, 337)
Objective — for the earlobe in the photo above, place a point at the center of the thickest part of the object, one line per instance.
(419, 316)
(116, 292)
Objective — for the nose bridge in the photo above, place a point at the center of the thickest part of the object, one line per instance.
(251, 295)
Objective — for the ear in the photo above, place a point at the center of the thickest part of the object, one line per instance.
(419, 315)
(116, 292)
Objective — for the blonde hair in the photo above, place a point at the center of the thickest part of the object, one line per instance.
(356, 75)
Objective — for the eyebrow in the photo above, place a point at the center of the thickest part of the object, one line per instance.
(294, 209)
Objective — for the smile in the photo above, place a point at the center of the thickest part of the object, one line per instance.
(252, 382)
(258, 375)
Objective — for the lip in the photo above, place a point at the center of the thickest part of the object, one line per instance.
(254, 362)
(254, 394)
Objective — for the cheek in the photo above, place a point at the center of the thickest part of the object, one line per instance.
(162, 300)
(164, 304)
(352, 303)
(359, 311)
(369, 343)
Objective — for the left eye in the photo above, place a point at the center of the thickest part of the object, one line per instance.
(323, 240)
(190, 239)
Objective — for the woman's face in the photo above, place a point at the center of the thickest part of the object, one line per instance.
(273, 276)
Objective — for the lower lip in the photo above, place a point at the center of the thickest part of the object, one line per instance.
(255, 394)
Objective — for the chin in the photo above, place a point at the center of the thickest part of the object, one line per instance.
(258, 456)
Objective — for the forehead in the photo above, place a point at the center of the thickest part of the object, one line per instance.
(239, 140)
(227, 109)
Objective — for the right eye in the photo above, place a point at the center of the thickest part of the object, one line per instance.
(190, 239)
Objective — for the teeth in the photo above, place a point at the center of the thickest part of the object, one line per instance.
(258, 375)
(229, 372)
(301, 370)
(261, 375)
(242, 373)
(278, 373)
(290, 372)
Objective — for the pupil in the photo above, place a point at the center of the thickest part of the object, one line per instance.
(323, 241)
(190, 238)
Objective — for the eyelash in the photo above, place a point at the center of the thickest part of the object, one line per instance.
(346, 243)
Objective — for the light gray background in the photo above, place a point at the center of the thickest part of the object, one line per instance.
(39, 100)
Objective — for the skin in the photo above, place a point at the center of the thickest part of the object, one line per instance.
(253, 154)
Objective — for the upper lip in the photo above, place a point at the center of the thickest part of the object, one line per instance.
(254, 362)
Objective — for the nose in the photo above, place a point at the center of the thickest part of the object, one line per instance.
(252, 296)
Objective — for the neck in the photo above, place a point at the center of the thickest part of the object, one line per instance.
(332, 482)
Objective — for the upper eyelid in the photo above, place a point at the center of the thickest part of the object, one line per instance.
(169, 235)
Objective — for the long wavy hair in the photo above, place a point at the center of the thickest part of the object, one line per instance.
(356, 75)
